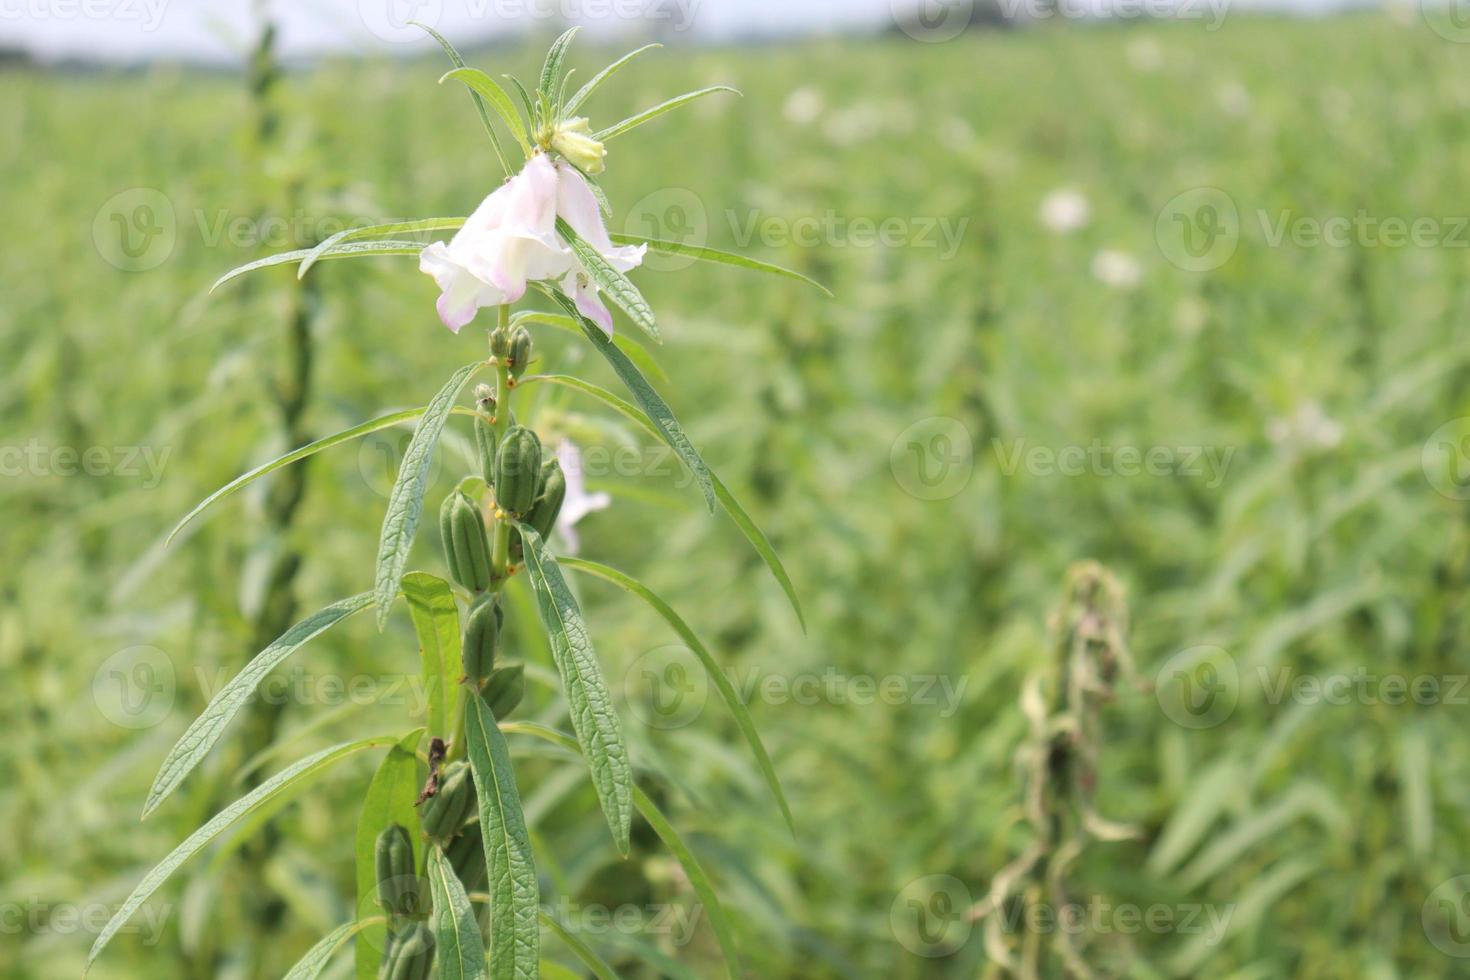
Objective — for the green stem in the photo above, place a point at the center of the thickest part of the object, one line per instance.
(500, 550)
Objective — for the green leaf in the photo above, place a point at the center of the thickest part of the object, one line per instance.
(635, 351)
(715, 255)
(585, 953)
(200, 737)
(311, 449)
(619, 128)
(436, 621)
(310, 966)
(196, 841)
(724, 934)
(551, 69)
(487, 88)
(585, 92)
(475, 97)
(389, 800)
(727, 500)
(515, 940)
(722, 682)
(459, 948)
(618, 286)
(372, 231)
(593, 717)
(406, 501)
(344, 250)
(654, 407)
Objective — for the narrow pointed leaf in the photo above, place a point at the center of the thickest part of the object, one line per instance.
(458, 62)
(618, 129)
(722, 683)
(487, 88)
(727, 500)
(577, 945)
(551, 69)
(515, 939)
(389, 800)
(594, 718)
(311, 449)
(436, 622)
(704, 254)
(196, 841)
(310, 966)
(617, 286)
(206, 730)
(373, 231)
(585, 92)
(666, 426)
(459, 949)
(406, 501)
(343, 250)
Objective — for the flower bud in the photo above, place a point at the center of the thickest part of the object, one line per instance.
(517, 470)
(409, 956)
(481, 632)
(500, 343)
(572, 140)
(398, 883)
(520, 351)
(504, 690)
(447, 810)
(466, 548)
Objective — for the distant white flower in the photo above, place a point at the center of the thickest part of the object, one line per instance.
(1145, 54)
(1308, 428)
(803, 106)
(578, 503)
(1233, 99)
(1117, 269)
(511, 241)
(1065, 210)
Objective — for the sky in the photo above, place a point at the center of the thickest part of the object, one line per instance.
(216, 30)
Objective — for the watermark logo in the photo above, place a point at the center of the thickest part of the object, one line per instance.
(394, 21)
(933, 459)
(673, 214)
(931, 915)
(1198, 230)
(666, 687)
(1198, 687)
(1450, 19)
(147, 14)
(379, 456)
(932, 21)
(1446, 459)
(135, 230)
(1445, 917)
(135, 687)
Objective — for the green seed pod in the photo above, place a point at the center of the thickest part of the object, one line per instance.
(520, 351)
(481, 633)
(517, 470)
(548, 506)
(410, 955)
(504, 690)
(485, 432)
(500, 343)
(447, 810)
(466, 548)
(398, 890)
(466, 854)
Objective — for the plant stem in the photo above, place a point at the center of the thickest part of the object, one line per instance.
(500, 550)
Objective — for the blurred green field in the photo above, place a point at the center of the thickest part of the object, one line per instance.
(1328, 835)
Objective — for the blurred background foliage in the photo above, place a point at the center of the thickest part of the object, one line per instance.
(1320, 371)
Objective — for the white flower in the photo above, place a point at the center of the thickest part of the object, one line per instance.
(1065, 210)
(803, 106)
(1308, 428)
(577, 503)
(511, 241)
(1117, 269)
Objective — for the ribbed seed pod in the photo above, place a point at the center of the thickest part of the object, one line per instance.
(481, 634)
(398, 884)
(517, 470)
(504, 690)
(485, 443)
(548, 505)
(466, 547)
(466, 855)
(447, 810)
(520, 351)
(500, 343)
(409, 956)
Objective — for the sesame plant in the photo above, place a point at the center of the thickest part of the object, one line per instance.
(441, 827)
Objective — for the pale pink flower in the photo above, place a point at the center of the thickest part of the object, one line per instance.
(577, 205)
(577, 503)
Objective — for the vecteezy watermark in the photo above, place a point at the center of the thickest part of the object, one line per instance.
(1199, 229)
(1212, 12)
(1099, 916)
(1450, 19)
(1445, 459)
(37, 917)
(1445, 917)
(325, 688)
(933, 459)
(667, 688)
(1209, 463)
(147, 14)
(930, 916)
(1198, 687)
(36, 458)
(395, 21)
(672, 921)
(135, 230)
(135, 687)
